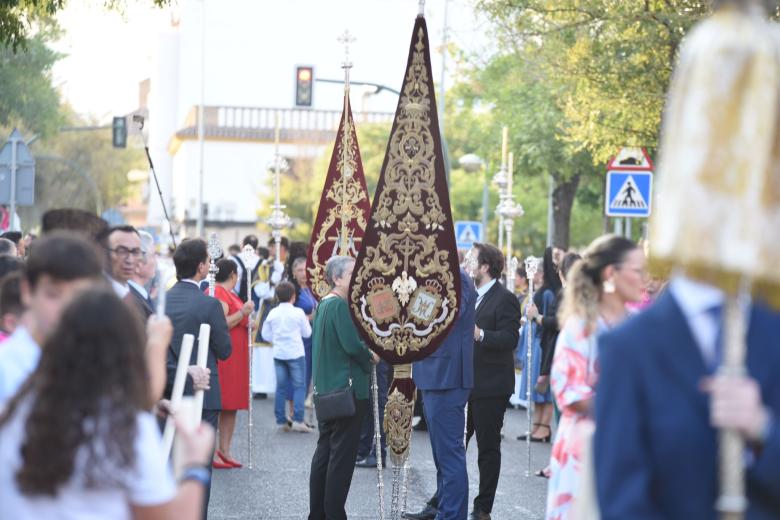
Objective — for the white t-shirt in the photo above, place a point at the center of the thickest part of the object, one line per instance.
(19, 356)
(149, 483)
(286, 326)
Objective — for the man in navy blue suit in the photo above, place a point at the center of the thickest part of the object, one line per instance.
(446, 378)
(659, 405)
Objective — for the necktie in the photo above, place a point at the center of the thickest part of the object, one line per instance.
(716, 313)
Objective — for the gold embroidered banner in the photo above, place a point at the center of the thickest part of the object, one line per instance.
(344, 207)
(405, 288)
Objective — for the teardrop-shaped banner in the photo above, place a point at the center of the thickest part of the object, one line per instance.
(405, 287)
(343, 213)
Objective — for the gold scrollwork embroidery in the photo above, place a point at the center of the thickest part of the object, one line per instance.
(408, 201)
(346, 193)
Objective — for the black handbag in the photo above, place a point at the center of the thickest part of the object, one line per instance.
(338, 404)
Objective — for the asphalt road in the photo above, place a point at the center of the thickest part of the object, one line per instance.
(277, 486)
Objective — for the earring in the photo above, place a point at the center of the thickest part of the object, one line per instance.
(609, 286)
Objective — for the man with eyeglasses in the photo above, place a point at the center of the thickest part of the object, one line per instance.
(123, 250)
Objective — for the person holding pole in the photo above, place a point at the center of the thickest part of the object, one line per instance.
(188, 308)
(446, 378)
(689, 395)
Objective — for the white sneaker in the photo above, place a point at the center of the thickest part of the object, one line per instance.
(301, 428)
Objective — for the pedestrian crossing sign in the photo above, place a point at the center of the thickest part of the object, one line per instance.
(629, 193)
(467, 232)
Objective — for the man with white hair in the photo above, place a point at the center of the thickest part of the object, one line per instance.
(141, 282)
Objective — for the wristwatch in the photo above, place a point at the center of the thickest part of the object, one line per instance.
(198, 474)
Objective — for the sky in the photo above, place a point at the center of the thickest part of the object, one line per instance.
(107, 53)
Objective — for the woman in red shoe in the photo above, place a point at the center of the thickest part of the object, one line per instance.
(234, 371)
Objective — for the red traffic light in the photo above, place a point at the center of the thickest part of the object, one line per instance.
(304, 77)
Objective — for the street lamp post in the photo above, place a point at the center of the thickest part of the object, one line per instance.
(473, 163)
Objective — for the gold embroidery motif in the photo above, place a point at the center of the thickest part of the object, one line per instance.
(408, 201)
(398, 426)
(346, 193)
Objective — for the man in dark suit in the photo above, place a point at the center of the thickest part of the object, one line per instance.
(445, 379)
(145, 272)
(496, 333)
(187, 307)
(659, 403)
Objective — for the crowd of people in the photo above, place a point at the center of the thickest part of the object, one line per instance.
(80, 423)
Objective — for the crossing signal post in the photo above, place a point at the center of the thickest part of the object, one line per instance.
(119, 132)
(304, 81)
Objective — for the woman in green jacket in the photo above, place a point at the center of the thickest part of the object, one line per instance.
(340, 359)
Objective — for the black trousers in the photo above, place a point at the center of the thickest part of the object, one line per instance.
(211, 417)
(486, 418)
(333, 464)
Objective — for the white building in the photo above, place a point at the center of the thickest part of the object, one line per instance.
(241, 65)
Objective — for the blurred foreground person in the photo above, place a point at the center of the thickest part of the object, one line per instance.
(60, 265)
(77, 441)
(690, 391)
(610, 275)
(11, 308)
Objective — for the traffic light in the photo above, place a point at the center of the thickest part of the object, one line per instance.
(119, 132)
(304, 79)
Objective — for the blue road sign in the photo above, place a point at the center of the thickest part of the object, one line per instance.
(629, 193)
(468, 232)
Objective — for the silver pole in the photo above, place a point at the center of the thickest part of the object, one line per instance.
(247, 275)
(628, 228)
(380, 484)
(201, 123)
(531, 266)
(11, 221)
(618, 222)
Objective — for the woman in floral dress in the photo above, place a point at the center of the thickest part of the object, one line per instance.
(610, 275)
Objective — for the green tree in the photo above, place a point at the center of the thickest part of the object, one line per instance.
(612, 59)
(27, 98)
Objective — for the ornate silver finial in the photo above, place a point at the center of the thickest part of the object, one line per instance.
(346, 39)
(531, 266)
(215, 251)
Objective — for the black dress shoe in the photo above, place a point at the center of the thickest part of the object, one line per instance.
(368, 462)
(421, 426)
(427, 513)
(479, 515)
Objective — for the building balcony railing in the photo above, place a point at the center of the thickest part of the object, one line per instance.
(259, 123)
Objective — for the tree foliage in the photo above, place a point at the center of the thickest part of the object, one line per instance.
(27, 98)
(611, 59)
(21, 19)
